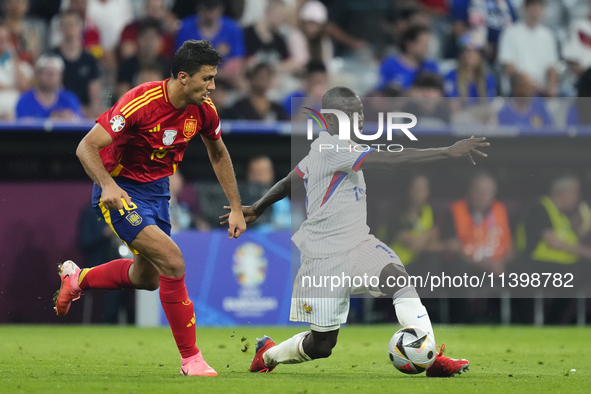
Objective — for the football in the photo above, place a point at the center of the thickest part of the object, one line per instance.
(412, 350)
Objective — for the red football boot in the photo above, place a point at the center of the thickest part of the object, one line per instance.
(258, 364)
(445, 367)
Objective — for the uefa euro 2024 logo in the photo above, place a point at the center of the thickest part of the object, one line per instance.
(345, 127)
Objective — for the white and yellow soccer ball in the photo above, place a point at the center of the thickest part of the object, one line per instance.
(412, 350)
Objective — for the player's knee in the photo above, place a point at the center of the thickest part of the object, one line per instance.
(177, 268)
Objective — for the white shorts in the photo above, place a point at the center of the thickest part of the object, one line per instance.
(316, 298)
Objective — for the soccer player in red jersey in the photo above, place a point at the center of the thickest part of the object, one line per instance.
(129, 154)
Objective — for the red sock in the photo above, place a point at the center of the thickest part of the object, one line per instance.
(180, 314)
(113, 275)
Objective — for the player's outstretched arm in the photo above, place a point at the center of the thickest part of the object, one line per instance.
(224, 171)
(278, 192)
(410, 156)
(88, 153)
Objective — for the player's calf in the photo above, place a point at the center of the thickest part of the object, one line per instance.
(320, 344)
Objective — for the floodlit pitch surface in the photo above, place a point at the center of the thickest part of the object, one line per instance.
(97, 359)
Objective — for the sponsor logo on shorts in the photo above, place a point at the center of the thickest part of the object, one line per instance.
(134, 218)
(117, 123)
(190, 128)
(168, 137)
(307, 308)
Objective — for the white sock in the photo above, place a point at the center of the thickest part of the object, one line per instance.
(410, 311)
(290, 351)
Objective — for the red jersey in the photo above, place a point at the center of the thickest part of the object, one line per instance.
(150, 135)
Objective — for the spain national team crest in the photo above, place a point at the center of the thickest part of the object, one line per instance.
(117, 123)
(134, 218)
(190, 128)
(168, 137)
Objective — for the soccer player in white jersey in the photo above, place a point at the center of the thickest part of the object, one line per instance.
(334, 240)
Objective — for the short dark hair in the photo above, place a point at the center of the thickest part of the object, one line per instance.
(150, 24)
(193, 55)
(257, 68)
(315, 66)
(336, 98)
(527, 3)
(411, 34)
(428, 81)
(210, 4)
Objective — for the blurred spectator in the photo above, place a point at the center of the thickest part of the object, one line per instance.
(471, 80)
(149, 44)
(552, 226)
(488, 18)
(256, 105)
(263, 40)
(151, 73)
(551, 240)
(44, 9)
(477, 228)
(23, 34)
(578, 113)
(402, 69)
(577, 48)
(232, 8)
(15, 76)
(427, 101)
(180, 214)
(81, 73)
(357, 25)
(413, 234)
(111, 17)
(524, 109)
(311, 43)
(90, 32)
(314, 85)
(48, 99)
(531, 48)
(222, 96)
(155, 10)
(260, 176)
(223, 32)
(410, 13)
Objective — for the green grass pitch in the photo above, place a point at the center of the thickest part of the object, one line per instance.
(98, 359)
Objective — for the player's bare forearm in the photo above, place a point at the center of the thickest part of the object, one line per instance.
(411, 156)
(88, 154)
(224, 171)
(278, 192)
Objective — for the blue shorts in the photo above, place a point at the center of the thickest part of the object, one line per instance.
(149, 205)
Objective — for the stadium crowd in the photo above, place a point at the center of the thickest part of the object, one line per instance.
(68, 59)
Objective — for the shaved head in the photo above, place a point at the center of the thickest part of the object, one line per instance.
(346, 100)
(339, 97)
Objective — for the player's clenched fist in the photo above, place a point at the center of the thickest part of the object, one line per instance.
(113, 197)
(237, 224)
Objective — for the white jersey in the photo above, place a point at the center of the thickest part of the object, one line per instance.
(335, 197)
